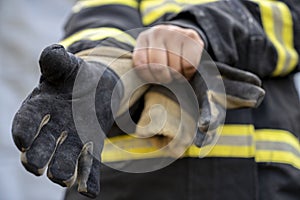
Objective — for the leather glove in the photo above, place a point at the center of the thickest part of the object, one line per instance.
(176, 127)
(241, 89)
(45, 130)
(169, 118)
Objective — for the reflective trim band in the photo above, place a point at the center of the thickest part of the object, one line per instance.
(94, 3)
(278, 25)
(156, 13)
(288, 38)
(277, 146)
(122, 148)
(189, 2)
(153, 10)
(234, 141)
(95, 34)
(240, 141)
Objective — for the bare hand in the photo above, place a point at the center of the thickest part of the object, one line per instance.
(163, 52)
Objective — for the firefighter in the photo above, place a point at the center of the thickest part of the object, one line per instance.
(257, 153)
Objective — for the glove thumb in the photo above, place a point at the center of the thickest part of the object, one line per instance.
(56, 64)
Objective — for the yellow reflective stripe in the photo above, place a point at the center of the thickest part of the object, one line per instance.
(155, 14)
(277, 146)
(271, 135)
(240, 143)
(129, 148)
(153, 10)
(95, 34)
(189, 2)
(94, 3)
(147, 6)
(278, 25)
(126, 147)
(288, 37)
(221, 151)
(237, 130)
(278, 157)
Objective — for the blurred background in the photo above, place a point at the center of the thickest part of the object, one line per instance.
(27, 26)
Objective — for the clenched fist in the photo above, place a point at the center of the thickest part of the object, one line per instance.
(165, 52)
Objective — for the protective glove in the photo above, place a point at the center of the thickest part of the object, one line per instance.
(178, 126)
(242, 90)
(46, 130)
(169, 118)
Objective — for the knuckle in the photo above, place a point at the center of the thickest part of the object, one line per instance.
(157, 67)
(201, 43)
(158, 29)
(143, 35)
(139, 60)
(192, 34)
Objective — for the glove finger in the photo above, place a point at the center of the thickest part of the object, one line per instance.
(57, 64)
(63, 165)
(28, 122)
(88, 172)
(152, 122)
(212, 115)
(184, 134)
(37, 157)
(199, 139)
(240, 94)
(180, 143)
(206, 137)
(205, 115)
(237, 74)
(154, 115)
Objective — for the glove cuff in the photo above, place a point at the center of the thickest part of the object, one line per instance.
(119, 61)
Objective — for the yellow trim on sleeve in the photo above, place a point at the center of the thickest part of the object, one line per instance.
(288, 37)
(153, 10)
(278, 24)
(95, 34)
(94, 3)
(155, 14)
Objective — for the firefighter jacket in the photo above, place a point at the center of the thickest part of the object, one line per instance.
(258, 154)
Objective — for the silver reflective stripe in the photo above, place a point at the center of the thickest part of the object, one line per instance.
(277, 146)
(235, 140)
(278, 30)
(152, 8)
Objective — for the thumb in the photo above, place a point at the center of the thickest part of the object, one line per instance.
(57, 64)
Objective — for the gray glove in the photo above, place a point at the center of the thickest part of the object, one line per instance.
(242, 90)
(44, 129)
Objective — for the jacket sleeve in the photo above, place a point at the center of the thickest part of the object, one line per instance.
(257, 36)
(102, 22)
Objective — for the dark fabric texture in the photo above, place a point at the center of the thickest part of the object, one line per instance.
(188, 179)
(280, 108)
(278, 182)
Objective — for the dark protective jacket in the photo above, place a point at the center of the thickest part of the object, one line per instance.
(258, 154)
